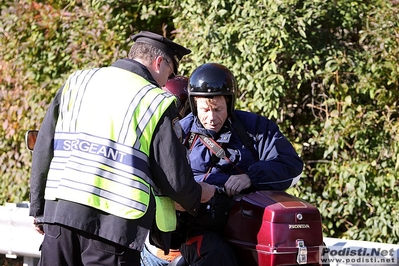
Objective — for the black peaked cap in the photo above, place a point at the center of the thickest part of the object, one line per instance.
(172, 49)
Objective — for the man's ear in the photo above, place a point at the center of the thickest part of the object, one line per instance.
(156, 64)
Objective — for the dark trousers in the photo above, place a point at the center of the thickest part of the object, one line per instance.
(208, 248)
(205, 245)
(63, 246)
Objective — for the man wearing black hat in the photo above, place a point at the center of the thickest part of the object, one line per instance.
(108, 161)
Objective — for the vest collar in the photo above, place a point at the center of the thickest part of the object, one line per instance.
(135, 67)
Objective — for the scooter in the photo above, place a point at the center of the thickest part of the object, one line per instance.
(274, 228)
(266, 228)
(270, 228)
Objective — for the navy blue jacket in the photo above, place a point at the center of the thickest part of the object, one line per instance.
(278, 167)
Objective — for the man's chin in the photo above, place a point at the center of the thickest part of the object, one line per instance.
(213, 130)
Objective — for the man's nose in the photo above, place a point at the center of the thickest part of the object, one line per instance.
(211, 115)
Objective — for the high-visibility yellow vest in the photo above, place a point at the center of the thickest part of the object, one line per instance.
(102, 143)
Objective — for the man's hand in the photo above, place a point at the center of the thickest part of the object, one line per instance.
(207, 192)
(178, 207)
(236, 183)
(38, 226)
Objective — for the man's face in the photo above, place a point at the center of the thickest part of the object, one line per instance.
(212, 112)
(162, 69)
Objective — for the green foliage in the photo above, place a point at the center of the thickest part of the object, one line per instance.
(242, 37)
(326, 71)
(42, 43)
(357, 131)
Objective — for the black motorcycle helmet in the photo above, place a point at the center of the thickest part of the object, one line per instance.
(209, 80)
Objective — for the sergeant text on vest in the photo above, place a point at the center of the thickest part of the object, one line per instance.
(93, 148)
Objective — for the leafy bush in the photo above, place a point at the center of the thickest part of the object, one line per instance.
(327, 71)
(41, 44)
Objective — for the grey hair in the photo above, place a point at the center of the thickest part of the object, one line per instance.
(146, 52)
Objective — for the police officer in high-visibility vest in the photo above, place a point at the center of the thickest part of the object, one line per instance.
(108, 164)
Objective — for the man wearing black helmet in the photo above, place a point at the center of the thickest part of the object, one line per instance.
(237, 151)
(107, 162)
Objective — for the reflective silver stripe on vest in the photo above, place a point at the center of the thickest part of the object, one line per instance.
(119, 176)
(103, 193)
(129, 114)
(81, 77)
(147, 118)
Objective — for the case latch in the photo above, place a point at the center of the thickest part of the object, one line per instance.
(302, 257)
